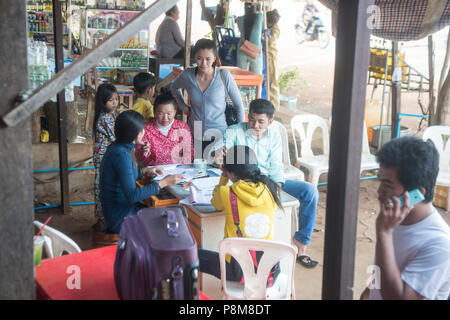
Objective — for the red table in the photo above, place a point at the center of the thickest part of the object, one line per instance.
(88, 275)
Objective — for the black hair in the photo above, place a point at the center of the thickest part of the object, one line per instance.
(261, 106)
(142, 81)
(249, 19)
(171, 10)
(165, 97)
(242, 161)
(128, 125)
(416, 162)
(273, 17)
(105, 92)
(205, 44)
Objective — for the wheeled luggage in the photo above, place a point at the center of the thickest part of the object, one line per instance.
(157, 256)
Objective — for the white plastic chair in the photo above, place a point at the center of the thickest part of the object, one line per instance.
(368, 160)
(255, 284)
(316, 164)
(436, 135)
(56, 242)
(290, 172)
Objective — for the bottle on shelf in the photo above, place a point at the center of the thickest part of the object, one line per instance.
(38, 70)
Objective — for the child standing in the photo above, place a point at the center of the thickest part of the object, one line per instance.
(106, 102)
(144, 85)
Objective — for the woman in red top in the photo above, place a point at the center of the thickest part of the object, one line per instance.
(166, 140)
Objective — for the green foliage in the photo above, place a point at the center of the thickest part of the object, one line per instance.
(291, 79)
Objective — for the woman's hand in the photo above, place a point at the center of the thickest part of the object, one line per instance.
(146, 147)
(154, 171)
(391, 215)
(219, 156)
(170, 180)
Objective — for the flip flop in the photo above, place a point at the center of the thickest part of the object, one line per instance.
(309, 262)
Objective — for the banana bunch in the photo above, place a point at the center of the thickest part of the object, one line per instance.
(134, 43)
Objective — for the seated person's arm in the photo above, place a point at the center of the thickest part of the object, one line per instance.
(175, 87)
(227, 141)
(179, 40)
(142, 151)
(218, 198)
(186, 143)
(125, 171)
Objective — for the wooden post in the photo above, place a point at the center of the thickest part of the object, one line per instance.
(187, 38)
(266, 53)
(396, 92)
(16, 183)
(432, 95)
(61, 109)
(350, 77)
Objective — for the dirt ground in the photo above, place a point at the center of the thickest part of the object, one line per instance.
(316, 68)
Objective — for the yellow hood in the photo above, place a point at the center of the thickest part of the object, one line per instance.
(250, 193)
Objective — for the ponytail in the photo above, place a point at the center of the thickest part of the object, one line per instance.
(242, 161)
(273, 187)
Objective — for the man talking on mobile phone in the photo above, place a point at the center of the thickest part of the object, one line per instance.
(413, 242)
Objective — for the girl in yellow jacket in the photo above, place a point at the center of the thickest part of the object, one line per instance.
(257, 199)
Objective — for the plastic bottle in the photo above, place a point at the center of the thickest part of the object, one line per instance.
(50, 22)
(31, 78)
(43, 53)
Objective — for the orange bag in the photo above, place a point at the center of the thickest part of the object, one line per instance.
(250, 49)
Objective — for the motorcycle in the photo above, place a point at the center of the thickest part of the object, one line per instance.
(310, 30)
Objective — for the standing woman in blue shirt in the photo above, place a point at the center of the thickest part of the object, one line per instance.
(119, 194)
(207, 96)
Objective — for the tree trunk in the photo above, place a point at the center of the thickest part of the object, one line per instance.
(443, 104)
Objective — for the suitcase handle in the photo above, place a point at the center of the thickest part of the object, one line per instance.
(172, 224)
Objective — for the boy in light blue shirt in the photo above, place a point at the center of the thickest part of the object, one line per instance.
(265, 140)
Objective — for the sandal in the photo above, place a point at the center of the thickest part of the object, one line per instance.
(306, 261)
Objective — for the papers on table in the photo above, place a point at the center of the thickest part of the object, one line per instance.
(189, 173)
(197, 197)
(215, 171)
(207, 184)
(201, 189)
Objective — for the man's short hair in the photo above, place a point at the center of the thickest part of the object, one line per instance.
(261, 106)
(416, 162)
(142, 81)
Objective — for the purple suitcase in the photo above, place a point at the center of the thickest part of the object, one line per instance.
(157, 256)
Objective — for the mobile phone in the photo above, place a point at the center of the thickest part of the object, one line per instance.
(415, 196)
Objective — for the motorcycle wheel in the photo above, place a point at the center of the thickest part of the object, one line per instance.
(299, 34)
(323, 39)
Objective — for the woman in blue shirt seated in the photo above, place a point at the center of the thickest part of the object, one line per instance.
(119, 194)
